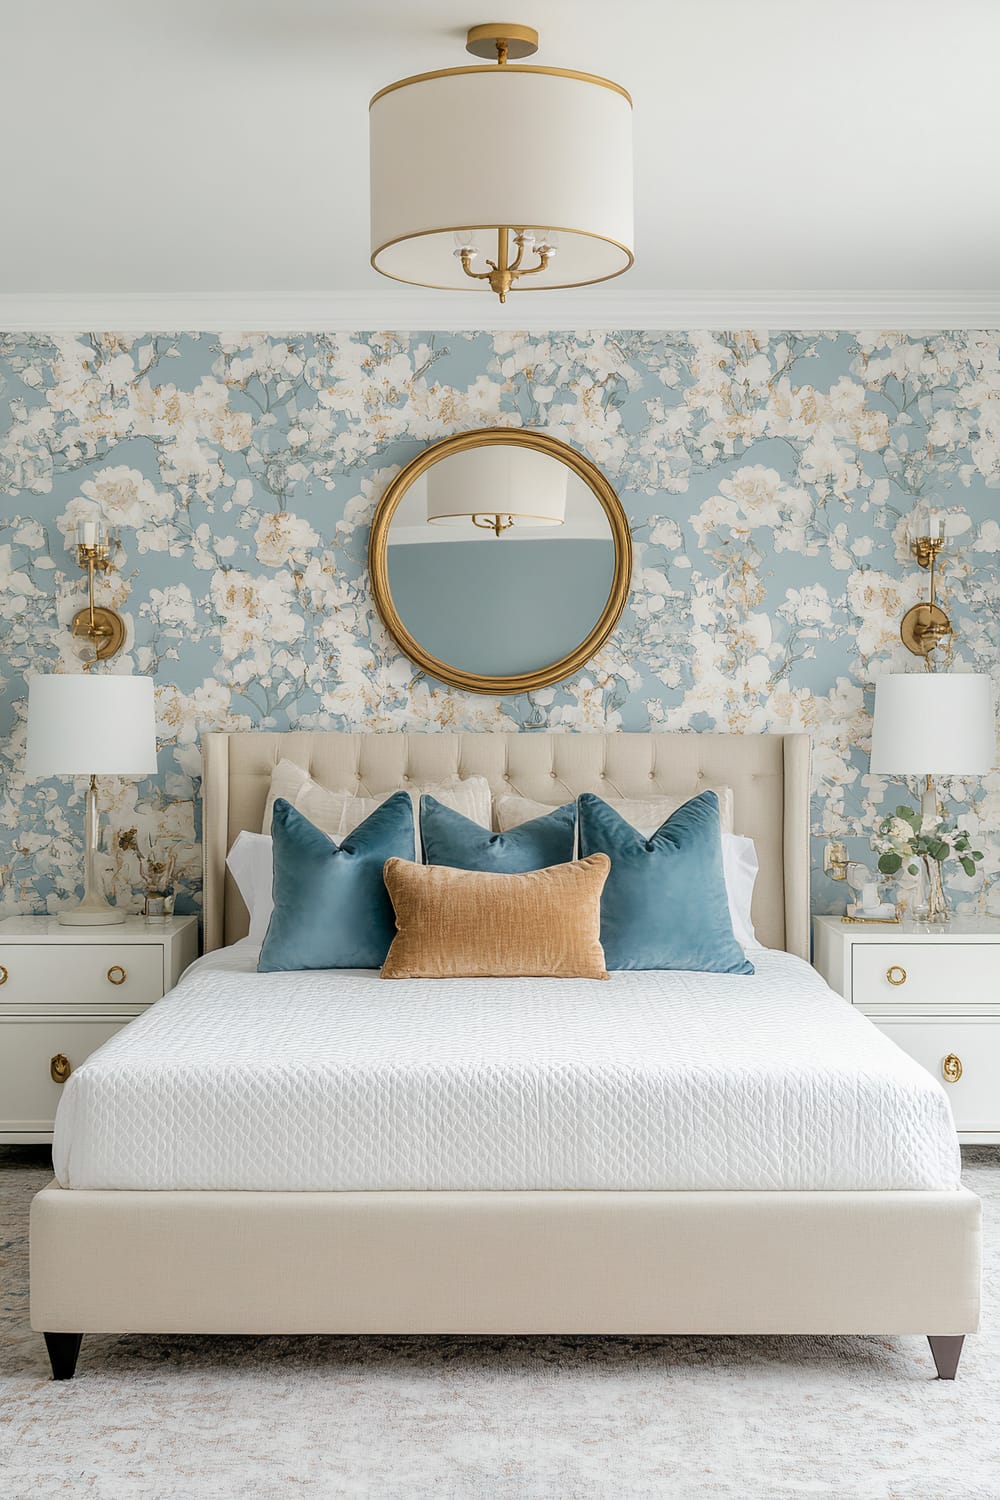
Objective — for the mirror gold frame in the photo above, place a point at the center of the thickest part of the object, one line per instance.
(378, 568)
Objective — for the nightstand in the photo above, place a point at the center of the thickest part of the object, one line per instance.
(64, 991)
(936, 992)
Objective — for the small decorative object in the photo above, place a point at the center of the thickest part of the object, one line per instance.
(102, 626)
(871, 903)
(867, 905)
(835, 861)
(909, 842)
(157, 869)
(84, 725)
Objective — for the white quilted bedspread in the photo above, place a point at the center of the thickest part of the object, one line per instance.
(342, 1080)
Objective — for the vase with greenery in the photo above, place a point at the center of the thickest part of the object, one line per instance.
(908, 842)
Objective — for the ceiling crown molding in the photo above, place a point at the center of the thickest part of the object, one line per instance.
(403, 309)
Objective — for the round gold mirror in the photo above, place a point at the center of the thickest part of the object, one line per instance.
(500, 560)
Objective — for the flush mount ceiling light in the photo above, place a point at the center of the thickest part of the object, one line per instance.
(532, 166)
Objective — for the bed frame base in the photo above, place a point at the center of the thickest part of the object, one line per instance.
(64, 1350)
(530, 1263)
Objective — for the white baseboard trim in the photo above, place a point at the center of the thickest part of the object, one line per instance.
(404, 309)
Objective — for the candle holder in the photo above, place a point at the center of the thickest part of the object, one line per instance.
(98, 623)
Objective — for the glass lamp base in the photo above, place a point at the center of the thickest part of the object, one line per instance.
(91, 913)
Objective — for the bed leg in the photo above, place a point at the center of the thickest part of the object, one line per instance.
(947, 1351)
(63, 1350)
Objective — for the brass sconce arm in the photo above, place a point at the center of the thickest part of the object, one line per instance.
(926, 626)
(101, 625)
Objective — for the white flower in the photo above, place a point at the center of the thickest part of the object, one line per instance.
(125, 497)
(283, 538)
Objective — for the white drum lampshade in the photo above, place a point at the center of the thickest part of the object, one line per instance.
(79, 725)
(519, 485)
(933, 724)
(458, 155)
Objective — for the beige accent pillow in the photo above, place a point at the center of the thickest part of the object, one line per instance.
(339, 813)
(641, 812)
(469, 924)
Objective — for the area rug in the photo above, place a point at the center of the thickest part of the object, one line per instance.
(497, 1418)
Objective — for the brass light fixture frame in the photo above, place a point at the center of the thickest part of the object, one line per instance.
(378, 562)
(926, 626)
(98, 623)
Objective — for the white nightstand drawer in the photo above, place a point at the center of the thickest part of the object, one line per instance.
(946, 1048)
(926, 977)
(33, 1052)
(93, 976)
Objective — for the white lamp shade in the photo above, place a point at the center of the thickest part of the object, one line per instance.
(497, 480)
(933, 724)
(79, 725)
(476, 148)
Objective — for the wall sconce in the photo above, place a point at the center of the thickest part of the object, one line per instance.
(926, 626)
(835, 860)
(102, 626)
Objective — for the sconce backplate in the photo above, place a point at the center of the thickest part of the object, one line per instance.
(107, 636)
(923, 627)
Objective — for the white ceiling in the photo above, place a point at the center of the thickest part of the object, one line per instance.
(220, 146)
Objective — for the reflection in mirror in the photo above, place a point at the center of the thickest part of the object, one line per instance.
(500, 560)
(497, 489)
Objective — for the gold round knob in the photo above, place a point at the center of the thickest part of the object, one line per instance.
(117, 974)
(59, 1067)
(896, 974)
(4, 976)
(952, 1068)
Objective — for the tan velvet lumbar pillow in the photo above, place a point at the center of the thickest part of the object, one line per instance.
(469, 924)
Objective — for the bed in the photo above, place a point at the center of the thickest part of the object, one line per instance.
(668, 1154)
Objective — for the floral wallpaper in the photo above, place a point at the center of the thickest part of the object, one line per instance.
(769, 480)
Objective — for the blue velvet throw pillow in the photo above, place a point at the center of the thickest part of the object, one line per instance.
(331, 907)
(664, 904)
(450, 839)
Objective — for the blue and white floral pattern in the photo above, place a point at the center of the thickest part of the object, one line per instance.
(769, 481)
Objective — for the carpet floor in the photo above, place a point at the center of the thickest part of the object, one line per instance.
(496, 1418)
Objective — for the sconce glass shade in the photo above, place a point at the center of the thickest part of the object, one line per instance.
(528, 486)
(466, 151)
(933, 724)
(79, 725)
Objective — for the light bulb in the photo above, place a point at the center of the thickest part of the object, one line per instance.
(465, 244)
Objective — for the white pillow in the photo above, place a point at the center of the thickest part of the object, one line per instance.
(251, 863)
(740, 867)
(339, 813)
(512, 811)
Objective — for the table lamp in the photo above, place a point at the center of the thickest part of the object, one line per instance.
(79, 725)
(933, 724)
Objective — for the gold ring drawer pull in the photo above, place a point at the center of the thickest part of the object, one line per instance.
(4, 976)
(117, 974)
(60, 1067)
(951, 1067)
(896, 974)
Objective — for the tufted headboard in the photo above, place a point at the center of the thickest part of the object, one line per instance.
(769, 775)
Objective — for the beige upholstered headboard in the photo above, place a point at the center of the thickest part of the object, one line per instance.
(769, 774)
